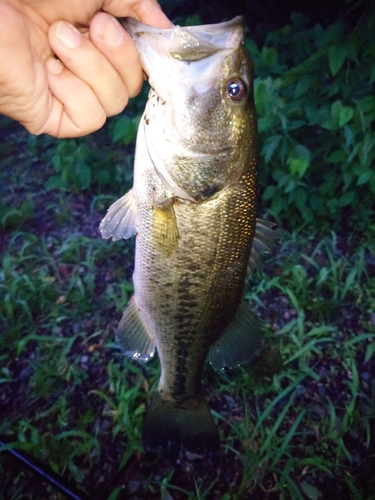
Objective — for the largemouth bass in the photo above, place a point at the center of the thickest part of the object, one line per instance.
(193, 211)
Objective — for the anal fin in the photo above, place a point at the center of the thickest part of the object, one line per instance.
(132, 335)
(120, 219)
(240, 341)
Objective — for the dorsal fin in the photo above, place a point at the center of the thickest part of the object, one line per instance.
(264, 239)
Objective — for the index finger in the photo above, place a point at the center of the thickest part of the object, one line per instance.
(146, 11)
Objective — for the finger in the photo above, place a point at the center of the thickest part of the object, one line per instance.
(147, 11)
(23, 76)
(75, 110)
(115, 43)
(84, 60)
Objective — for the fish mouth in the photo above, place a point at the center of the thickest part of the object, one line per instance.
(198, 42)
(216, 35)
(190, 44)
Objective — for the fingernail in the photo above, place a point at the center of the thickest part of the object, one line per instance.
(68, 35)
(54, 66)
(110, 31)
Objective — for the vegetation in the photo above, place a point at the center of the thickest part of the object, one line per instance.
(297, 424)
(314, 95)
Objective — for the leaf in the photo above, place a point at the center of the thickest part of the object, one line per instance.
(369, 351)
(302, 152)
(55, 182)
(346, 199)
(336, 57)
(332, 205)
(349, 136)
(265, 123)
(269, 192)
(268, 56)
(340, 113)
(304, 84)
(251, 47)
(270, 146)
(83, 176)
(336, 156)
(332, 33)
(348, 179)
(368, 145)
(310, 491)
(364, 177)
(367, 104)
(278, 204)
(126, 129)
(115, 493)
(298, 166)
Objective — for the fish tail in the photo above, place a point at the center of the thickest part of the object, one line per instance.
(189, 424)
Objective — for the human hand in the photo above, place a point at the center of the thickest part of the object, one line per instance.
(66, 65)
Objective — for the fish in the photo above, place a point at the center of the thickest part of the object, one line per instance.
(192, 209)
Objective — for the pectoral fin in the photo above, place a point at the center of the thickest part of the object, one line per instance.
(120, 219)
(264, 239)
(132, 335)
(240, 341)
(164, 227)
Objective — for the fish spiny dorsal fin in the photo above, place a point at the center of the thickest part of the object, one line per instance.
(265, 237)
(240, 341)
(120, 219)
(132, 335)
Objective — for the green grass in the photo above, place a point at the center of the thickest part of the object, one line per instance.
(291, 420)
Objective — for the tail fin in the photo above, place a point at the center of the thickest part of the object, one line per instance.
(191, 425)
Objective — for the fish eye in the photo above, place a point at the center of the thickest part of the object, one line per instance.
(235, 90)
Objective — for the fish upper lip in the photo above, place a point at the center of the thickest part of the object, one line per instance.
(137, 28)
(181, 41)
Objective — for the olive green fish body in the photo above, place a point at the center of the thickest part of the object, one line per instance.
(192, 208)
(189, 293)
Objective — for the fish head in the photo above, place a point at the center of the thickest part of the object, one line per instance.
(199, 123)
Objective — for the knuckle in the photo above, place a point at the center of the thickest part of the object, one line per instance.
(118, 104)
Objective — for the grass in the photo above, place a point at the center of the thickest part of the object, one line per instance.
(299, 419)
